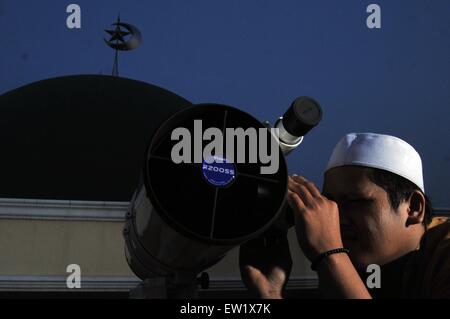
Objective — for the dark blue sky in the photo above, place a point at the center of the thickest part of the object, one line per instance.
(258, 56)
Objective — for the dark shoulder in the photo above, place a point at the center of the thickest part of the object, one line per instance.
(437, 235)
(432, 263)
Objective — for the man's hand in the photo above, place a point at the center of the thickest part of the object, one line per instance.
(265, 264)
(318, 231)
(316, 218)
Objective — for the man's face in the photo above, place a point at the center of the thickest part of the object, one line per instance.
(370, 228)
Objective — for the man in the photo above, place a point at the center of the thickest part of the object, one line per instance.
(373, 210)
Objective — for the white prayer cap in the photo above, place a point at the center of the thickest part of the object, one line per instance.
(379, 151)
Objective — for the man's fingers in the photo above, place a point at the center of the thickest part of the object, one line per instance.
(301, 191)
(295, 200)
(309, 185)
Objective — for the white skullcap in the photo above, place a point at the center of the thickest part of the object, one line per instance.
(379, 151)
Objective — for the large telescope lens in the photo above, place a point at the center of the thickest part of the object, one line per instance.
(184, 217)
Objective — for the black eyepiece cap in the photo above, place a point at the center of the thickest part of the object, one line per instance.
(303, 114)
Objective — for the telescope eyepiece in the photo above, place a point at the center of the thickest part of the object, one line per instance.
(303, 115)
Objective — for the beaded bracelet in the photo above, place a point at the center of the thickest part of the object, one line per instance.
(326, 254)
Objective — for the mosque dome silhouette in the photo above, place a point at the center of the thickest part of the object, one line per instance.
(79, 137)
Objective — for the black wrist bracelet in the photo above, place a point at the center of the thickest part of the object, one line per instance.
(326, 254)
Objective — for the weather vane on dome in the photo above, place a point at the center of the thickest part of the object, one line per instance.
(124, 37)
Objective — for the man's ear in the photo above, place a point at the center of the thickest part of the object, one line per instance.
(416, 208)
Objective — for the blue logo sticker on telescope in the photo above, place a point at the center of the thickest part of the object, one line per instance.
(219, 172)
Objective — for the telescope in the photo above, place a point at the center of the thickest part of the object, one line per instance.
(185, 216)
